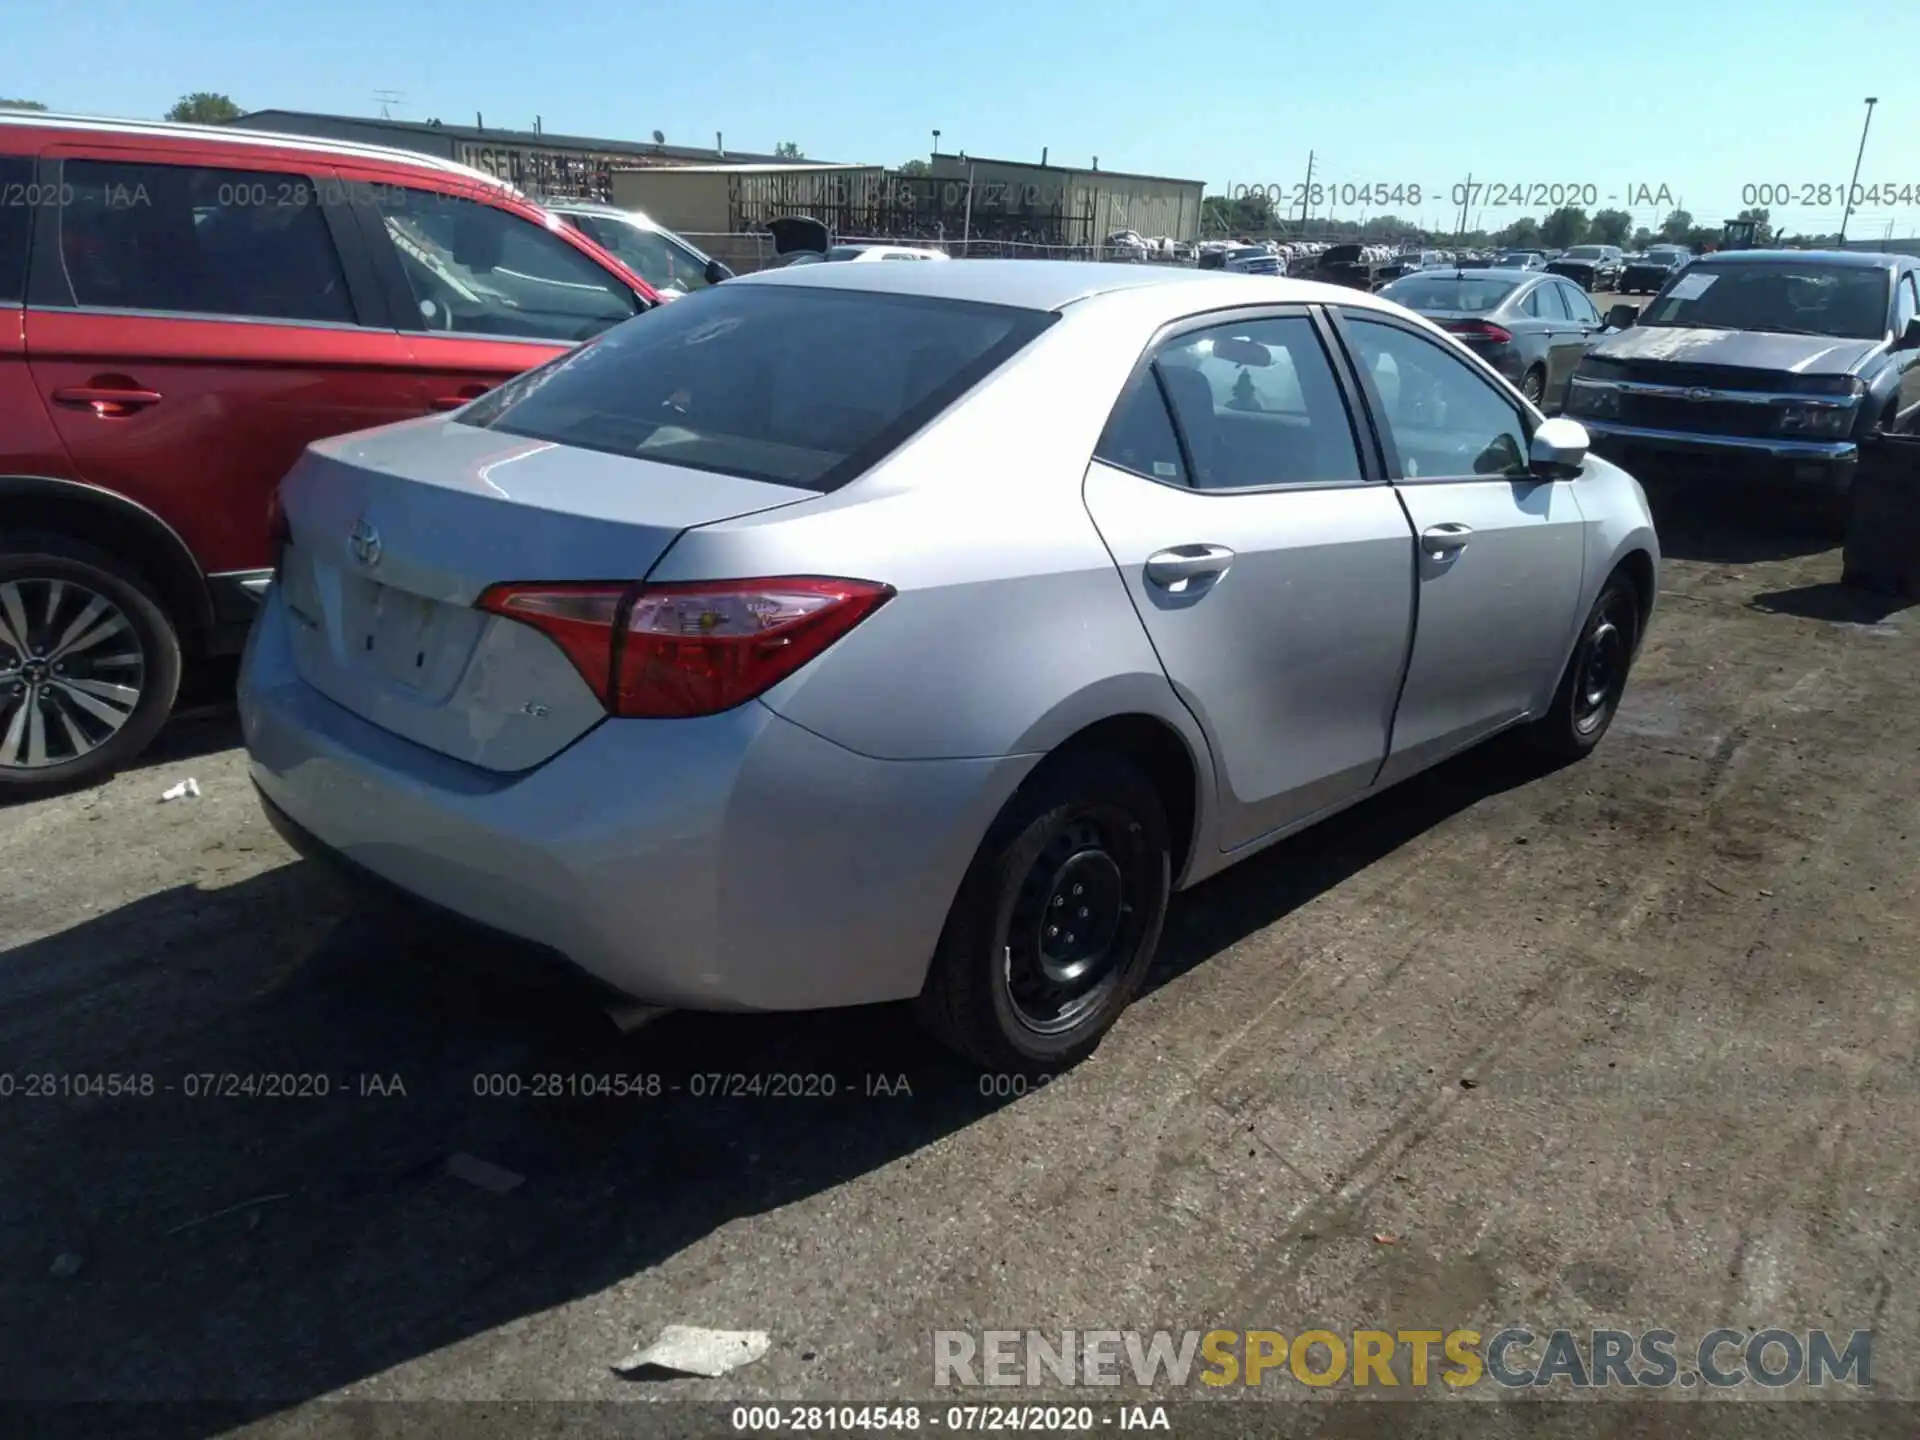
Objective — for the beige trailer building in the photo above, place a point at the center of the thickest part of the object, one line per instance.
(1090, 204)
(711, 200)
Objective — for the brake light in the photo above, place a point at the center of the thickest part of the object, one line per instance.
(1480, 330)
(697, 648)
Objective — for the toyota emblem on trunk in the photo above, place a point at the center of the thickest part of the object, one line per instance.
(363, 543)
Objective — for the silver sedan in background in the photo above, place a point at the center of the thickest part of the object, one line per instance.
(857, 633)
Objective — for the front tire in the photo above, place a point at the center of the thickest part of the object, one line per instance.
(89, 665)
(1595, 679)
(1057, 919)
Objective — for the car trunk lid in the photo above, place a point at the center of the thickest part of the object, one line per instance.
(395, 533)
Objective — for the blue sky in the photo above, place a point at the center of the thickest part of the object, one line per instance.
(1710, 97)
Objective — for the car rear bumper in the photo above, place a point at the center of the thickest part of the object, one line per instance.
(733, 862)
(1811, 464)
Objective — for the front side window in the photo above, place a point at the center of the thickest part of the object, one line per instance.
(1258, 405)
(657, 260)
(1444, 419)
(476, 269)
(1906, 305)
(187, 240)
(794, 385)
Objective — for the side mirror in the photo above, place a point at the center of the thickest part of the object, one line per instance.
(1910, 337)
(1622, 317)
(1559, 449)
(716, 272)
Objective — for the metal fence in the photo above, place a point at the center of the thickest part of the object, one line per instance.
(746, 251)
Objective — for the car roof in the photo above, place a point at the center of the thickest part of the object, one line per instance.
(1055, 284)
(235, 135)
(1482, 272)
(1860, 259)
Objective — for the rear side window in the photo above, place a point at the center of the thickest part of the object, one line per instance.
(1140, 435)
(18, 202)
(793, 385)
(181, 239)
(475, 269)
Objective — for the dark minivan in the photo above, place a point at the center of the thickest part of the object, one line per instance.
(1759, 365)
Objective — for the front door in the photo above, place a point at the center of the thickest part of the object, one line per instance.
(1274, 577)
(1500, 550)
(190, 329)
(481, 291)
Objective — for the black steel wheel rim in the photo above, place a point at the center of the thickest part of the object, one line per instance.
(1077, 918)
(1603, 666)
(72, 670)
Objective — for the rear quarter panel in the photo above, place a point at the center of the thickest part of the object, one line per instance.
(1012, 628)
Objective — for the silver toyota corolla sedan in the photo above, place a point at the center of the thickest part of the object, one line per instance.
(856, 633)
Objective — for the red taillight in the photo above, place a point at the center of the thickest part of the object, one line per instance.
(1479, 330)
(695, 648)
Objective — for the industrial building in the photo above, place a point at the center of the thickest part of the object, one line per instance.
(1081, 207)
(539, 162)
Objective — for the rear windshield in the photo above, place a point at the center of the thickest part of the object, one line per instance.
(1585, 252)
(789, 384)
(1459, 293)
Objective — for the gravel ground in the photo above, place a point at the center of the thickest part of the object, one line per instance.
(1631, 1043)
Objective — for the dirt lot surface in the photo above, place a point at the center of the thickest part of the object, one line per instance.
(1628, 1044)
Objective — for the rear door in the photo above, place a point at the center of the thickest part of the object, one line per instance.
(480, 289)
(1570, 313)
(1272, 568)
(1500, 550)
(195, 318)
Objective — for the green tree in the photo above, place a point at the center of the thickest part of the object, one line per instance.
(914, 168)
(1522, 234)
(787, 150)
(21, 105)
(1565, 226)
(1642, 238)
(1610, 227)
(205, 107)
(1676, 227)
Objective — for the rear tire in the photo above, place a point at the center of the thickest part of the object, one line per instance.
(1595, 678)
(1533, 385)
(1084, 843)
(89, 665)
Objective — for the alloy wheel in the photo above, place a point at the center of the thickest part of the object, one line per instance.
(72, 671)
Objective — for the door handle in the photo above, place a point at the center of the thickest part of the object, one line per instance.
(465, 395)
(109, 402)
(1440, 541)
(1183, 566)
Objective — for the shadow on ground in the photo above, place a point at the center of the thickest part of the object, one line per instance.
(260, 1251)
(1744, 529)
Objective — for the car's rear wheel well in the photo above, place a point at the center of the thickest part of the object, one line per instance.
(1163, 758)
(138, 541)
(1637, 567)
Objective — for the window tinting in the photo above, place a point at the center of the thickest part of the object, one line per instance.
(17, 192)
(1444, 419)
(199, 242)
(475, 269)
(1140, 435)
(798, 386)
(1257, 404)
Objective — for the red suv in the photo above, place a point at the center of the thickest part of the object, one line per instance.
(182, 309)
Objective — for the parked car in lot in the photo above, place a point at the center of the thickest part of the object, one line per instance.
(711, 657)
(199, 303)
(1245, 260)
(1520, 260)
(1355, 266)
(1760, 365)
(1532, 328)
(1592, 267)
(668, 263)
(1645, 274)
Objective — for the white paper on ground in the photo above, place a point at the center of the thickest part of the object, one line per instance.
(692, 1350)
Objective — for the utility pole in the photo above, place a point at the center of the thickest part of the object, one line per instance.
(1466, 195)
(1854, 184)
(1306, 190)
